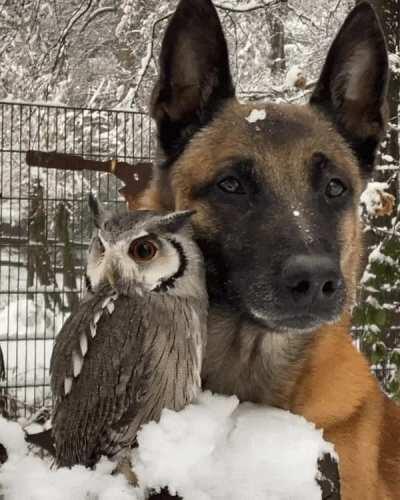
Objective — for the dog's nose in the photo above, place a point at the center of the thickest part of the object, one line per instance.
(311, 281)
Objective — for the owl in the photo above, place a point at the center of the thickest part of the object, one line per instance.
(135, 344)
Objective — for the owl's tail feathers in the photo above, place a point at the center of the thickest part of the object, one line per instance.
(43, 440)
(38, 430)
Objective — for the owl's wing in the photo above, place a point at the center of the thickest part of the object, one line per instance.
(111, 376)
(168, 369)
(72, 342)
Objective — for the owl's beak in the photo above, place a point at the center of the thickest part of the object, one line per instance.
(112, 274)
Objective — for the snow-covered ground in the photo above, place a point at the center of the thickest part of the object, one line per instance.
(28, 477)
(214, 449)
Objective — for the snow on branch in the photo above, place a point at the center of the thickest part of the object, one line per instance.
(97, 13)
(303, 17)
(249, 7)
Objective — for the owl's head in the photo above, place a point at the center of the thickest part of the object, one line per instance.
(145, 250)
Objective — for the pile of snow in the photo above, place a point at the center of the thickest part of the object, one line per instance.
(12, 211)
(218, 449)
(25, 476)
(214, 449)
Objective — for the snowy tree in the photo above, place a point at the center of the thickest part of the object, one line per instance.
(102, 53)
(377, 318)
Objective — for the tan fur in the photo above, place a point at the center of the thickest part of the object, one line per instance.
(321, 375)
(337, 392)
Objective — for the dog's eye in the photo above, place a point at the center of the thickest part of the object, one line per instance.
(335, 188)
(231, 185)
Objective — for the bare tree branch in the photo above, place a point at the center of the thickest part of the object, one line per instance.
(149, 56)
(232, 20)
(77, 14)
(96, 13)
(303, 17)
(332, 13)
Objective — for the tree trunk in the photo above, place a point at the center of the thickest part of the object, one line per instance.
(277, 41)
(69, 275)
(381, 346)
(389, 15)
(39, 262)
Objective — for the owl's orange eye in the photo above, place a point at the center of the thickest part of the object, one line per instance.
(143, 250)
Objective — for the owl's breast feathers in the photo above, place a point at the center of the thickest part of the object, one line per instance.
(117, 362)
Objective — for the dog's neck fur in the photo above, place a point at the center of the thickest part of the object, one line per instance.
(245, 359)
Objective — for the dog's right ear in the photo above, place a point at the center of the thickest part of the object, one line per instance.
(351, 90)
(194, 79)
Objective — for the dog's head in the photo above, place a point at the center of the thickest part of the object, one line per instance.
(275, 187)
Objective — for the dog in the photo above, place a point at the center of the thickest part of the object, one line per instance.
(276, 190)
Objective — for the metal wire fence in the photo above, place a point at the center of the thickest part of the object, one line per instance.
(45, 228)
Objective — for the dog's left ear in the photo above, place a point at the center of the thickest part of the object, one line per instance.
(195, 77)
(352, 86)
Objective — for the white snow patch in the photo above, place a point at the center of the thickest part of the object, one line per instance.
(367, 276)
(41, 482)
(33, 428)
(294, 73)
(22, 319)
(374, 329)
(377, 256)
(387, 158)
(394, 62)
(256, 115)
(217, 449)
(373, 302)
(27, 331)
